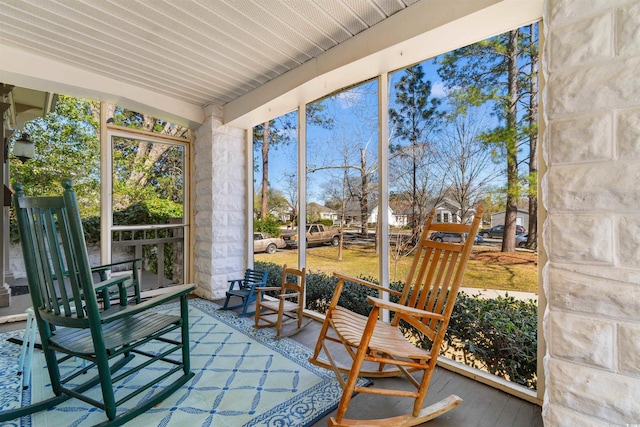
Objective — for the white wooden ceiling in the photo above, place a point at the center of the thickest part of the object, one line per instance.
(197, 51)
(181, 55)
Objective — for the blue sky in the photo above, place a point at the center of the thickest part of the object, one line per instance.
(355, 117)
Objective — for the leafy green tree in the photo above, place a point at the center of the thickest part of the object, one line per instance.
(414, 119)
(143, 169)
(278, 204)
(67, 145)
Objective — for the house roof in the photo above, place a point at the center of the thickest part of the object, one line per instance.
(255, 58)
(313, 206)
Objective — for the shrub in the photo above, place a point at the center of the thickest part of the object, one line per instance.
(274, 278)
(325, 222)
(497, 335)
(269, 225)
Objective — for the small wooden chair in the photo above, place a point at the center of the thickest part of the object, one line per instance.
(288, 306)
(425, 304)
(71, 322)
(245, 289)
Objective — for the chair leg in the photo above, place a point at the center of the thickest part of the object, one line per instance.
(226, 302)
(26, 353)
(245, 306)
(350, 386)
(186, 358)
(279, 323)
(246, 301)
(106, 384)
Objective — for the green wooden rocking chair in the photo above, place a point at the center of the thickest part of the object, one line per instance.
(72, 322)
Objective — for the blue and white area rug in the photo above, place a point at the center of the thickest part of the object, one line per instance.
(243, 378)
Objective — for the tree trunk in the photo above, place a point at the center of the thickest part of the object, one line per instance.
(509, 236)
(344, 209)
(532, 238)
(264, 210)
(364, 193)
(147, 155)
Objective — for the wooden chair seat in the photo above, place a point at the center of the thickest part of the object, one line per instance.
(275, 305)
(387, 339)
(119, 334)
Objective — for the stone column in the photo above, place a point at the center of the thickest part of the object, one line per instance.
(220, 204)
(592, 233)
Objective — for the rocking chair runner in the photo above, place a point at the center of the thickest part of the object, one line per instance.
(287, 308)
(72, 324)
(425, 304)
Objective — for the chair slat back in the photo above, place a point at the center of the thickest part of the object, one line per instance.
(55, 254)
(293, 280)
(436, 273)
(255, 276)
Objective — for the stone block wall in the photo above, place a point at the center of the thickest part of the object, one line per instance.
(591, 63)
(220, 204)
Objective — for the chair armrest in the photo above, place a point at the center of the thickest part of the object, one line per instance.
(403, 309)
(105, 267)
(252, 285)
(359, 281)
(106, 284)
(233, 282)
(269, 288)
(172, 293)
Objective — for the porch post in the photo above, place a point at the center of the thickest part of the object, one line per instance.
(5, 292)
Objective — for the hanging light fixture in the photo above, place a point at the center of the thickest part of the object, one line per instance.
(23, 148)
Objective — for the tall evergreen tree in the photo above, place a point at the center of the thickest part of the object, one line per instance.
(531, 52)
(496, 70)
(414, 118)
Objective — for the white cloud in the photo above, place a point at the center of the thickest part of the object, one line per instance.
(348, 98)
(438, 89)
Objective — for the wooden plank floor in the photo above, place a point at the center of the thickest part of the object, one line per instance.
(483, 406)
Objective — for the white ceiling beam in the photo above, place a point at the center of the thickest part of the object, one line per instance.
(421, 31)
(21, 68)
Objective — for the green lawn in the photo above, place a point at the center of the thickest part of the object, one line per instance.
(487, 268)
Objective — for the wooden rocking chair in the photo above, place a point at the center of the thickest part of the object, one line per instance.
(71, 322)
(425, 304)
(287, 308)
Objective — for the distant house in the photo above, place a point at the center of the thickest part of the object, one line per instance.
(317, 212)
(449, 211)
(398, 219)
(522, 218)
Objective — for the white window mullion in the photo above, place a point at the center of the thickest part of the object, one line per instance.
(383, 184)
